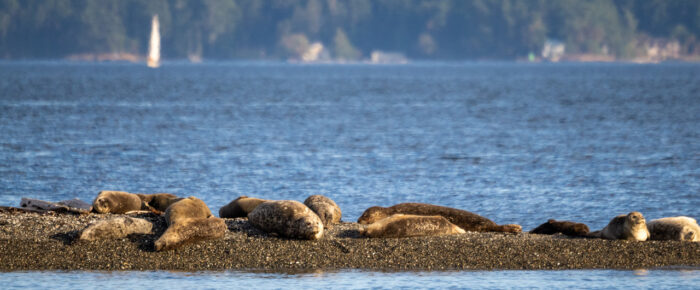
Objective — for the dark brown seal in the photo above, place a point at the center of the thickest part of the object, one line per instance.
(565, 227)
(631, 226)
(287, 218)
(466, 220)
(402, 226)
(159, 201)
(189, 219)
(118, 202)
(680, 228)
(325, 208)
(240, 207)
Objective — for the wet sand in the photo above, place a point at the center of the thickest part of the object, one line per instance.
(46, 241)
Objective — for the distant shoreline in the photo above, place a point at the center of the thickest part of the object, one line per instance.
(36, 241)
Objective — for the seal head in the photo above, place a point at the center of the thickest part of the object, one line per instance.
(325, 208)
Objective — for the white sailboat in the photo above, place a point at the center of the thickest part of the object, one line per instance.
(154, 44)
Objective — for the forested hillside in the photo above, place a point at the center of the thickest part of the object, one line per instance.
(275, 29)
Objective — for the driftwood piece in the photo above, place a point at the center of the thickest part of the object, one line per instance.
(63, 206)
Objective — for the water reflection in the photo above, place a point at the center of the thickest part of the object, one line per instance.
(674, 277)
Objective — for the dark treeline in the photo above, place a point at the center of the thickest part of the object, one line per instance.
(442, 29)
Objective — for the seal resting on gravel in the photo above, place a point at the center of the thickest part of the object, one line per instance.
(240, 207)
(401, 226)
(159, 201)
(287, 218)
(565, 227)
(186, 208)
(118, 202)
(468, 221)
(680, 228)
(326, 209)
(116, 228)
(189, 219)
(631, 226)
(191, 230)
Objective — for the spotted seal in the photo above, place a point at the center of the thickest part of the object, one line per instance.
(325, 208)
(468, 221)
(680, 228)
(287, 218)
(402, 226)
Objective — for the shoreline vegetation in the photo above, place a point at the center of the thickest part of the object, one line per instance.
(32, 240)
(338, 31)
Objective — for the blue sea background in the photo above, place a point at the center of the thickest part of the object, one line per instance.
(518, 143)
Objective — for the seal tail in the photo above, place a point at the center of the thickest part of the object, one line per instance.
(594, 235)
(510, 228)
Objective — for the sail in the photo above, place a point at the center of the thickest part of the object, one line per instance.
(154, 44)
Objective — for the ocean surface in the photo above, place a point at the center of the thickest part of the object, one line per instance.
(517, 143)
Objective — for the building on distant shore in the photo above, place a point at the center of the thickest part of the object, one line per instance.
(553, 50)
(378, 56)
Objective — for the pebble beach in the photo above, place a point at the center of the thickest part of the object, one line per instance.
(47, 241)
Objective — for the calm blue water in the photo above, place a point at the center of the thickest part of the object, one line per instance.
(517, 143)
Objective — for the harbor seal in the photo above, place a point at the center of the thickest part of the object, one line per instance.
(680, 228)
(565, 227)
(402, 226)
(326, 209)
(240, 207)
(159, 201)
(189, 220)
(468, 221)
(186, 208)
(631, 226)
(118, 202)
(287, 218)
(190, 230)
(116, 228)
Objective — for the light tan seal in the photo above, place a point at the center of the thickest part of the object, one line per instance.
(631, 226)
(468, 221)
(680, 228)
(116, 228)
(186, 208)
(240, 207)
(402, 226)
(159, 201)
(189, 219)
(287, 218)
(325, 208)
(118, 202)
(191, 230)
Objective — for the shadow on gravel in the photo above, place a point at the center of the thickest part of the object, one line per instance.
(144, 241)
(350, 234)
(67, 238)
